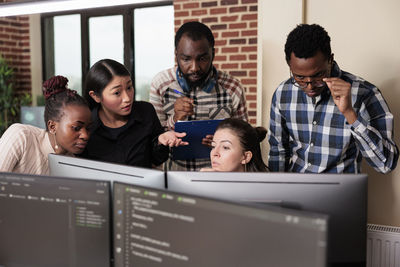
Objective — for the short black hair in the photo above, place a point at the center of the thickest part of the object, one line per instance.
(196, 31)
(306, 40)
(100, 75)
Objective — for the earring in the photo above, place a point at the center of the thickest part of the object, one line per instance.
(55, 142)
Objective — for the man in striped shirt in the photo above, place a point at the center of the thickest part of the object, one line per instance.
(324, 119)
(195, 89)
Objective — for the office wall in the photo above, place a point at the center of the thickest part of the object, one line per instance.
(366, 42)
(14, 47)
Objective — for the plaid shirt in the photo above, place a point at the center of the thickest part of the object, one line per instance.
(226, 99)
(312, 135)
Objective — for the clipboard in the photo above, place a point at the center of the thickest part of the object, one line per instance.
(195, 132)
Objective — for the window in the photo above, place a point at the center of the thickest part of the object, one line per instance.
(139, 36)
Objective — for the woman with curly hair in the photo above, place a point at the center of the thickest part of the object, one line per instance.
(25, 148)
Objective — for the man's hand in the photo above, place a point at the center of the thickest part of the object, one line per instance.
(207, 140)
(183, 108)
(341, 94)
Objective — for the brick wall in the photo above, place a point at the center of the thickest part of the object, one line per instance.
(234, 25)
(14, 47)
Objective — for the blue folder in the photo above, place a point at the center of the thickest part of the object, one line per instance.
(195, 132)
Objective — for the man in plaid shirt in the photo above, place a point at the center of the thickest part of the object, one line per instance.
(195, 89)
(324, 119)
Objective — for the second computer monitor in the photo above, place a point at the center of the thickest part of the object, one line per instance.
(91, 169)
(342, 196)
(162, 228)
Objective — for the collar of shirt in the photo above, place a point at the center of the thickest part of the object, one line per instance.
(207, 85)
(133, 117)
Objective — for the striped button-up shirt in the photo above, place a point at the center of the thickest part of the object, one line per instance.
(225, 100)
(311, 134)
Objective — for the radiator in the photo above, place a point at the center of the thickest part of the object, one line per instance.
(383, 246)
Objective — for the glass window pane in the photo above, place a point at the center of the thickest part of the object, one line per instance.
(154, 45)
(67, 49)
(106, 38)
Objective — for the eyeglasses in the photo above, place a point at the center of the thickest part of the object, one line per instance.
(316, 80)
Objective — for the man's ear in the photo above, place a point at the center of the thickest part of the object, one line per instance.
(52, 126)
(247, 157)
(94, 96)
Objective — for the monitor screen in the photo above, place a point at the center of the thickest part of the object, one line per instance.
(342, 196)
(90, 169)
(48, 221)
(160, 228)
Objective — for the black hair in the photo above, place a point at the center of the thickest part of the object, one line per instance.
(58, 96)
(195, 31)
(100, 75)
(250, 139)
(306, 40)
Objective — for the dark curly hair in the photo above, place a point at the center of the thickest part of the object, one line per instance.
(306, 40)
(58, 96)
(250, 139)
(195, 31)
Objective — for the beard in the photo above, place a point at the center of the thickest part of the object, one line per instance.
(203, 76)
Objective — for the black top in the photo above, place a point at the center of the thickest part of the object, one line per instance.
(135, 143)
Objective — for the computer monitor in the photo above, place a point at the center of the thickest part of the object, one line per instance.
(67, 166)
(48, 221)
(160, 228)
(342, 196)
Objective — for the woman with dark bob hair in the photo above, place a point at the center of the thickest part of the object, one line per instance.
(124, 131)
(25, 148)
(236, 147)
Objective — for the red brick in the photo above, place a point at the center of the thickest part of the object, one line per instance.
(230, 66)
(11, 30)
(229, 2)
(190, 19)
(252, 114)
(249, 81)
(238, 25)
(209, 20)
(249, 49)
(215, 11)
(238, 73)
(10, 43)
(182, 14)
(209, 4)
(220, 42)
(230, 34)
(191, 5)
(7, 36)
(250, 97)
(253, 73)
(248, 65)
(253, 41)
(237, 9)
(253, 24)
(237, 41)
(177, 6)
(249, 17)
(253, 8)
(237, 57)
(218, 27)
(178, 22)
(199, 12)
(253, 57)
(252, 105)
(230, 49)
(220, 58)
(249, 1)
(229, 18)
(249, 33)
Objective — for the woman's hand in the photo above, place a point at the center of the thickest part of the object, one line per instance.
(172, 139)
